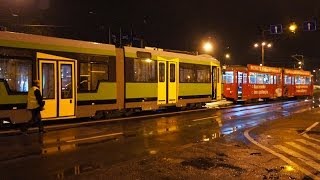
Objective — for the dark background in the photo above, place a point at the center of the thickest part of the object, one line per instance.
(232, 25)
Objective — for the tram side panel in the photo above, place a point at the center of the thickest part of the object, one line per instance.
(297, 83)
(264, 82)
(141, 85)
(195, 85)
(14, 87)
(230, 87)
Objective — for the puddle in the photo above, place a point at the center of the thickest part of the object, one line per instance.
(77, 170)
(209, 163)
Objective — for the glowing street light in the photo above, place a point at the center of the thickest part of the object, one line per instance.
(208, 47)
(227, 56)
(293, 27)
(263, 45)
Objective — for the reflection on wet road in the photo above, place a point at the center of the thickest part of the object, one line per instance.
(64, 153)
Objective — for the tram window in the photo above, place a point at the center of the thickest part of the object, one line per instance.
(308, 80)
(141, 70)
(298, 80)
(192, 73)
(266, 79)
(203, 73)
(17, 73)
(91, 73)
(271, 79)
(302, 80)
(260, 78)
(172, 73)
(275, 79)
(228, 77)
(287, 79)
(162, 71)
(95, 68)
(252, 78)
(292, 80)
(48, 81)
(66, 81)
(187, 74)
(245, 78)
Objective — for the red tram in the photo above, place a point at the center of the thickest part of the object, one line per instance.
(297, 83)
(262, 82)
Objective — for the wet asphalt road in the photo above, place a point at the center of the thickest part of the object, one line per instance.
(66, 153)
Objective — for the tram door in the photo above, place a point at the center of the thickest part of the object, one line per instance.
(57, 84)
(162, 82)
(240, 84)
(167, 82)
(172, 82)
(214, 82)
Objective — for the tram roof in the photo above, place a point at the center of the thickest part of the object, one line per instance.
(170, 55)
(38, 42)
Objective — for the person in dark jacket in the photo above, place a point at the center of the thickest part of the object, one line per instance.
(35, 104)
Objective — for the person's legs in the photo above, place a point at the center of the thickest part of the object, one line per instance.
(39, 121)
(25, 126)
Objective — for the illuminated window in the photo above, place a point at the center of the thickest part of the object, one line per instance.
(141, 70)
(297, 80)
(287, 79)
(260, 78)
(192, 73)
(203, 74)
(271, 79)
(187, 74)
(17, 73)
(228, 77)
(308, 80)
(252, 78)
(245, 78)
(94, 69)
(302, 80)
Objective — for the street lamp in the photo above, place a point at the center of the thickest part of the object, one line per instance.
(263, 45)
(208, 47)
(293, 27)
(227, 56)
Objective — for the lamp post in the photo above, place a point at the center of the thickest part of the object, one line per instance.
(263, 45)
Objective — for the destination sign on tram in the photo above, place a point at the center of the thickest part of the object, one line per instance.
(263, 69)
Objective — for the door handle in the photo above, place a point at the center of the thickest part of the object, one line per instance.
(70, 101)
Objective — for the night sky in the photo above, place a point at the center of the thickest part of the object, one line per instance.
(234, 26)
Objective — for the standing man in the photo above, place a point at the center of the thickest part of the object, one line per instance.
(35, 104)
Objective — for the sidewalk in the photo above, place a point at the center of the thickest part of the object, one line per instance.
(218, 104)
(228, 157)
